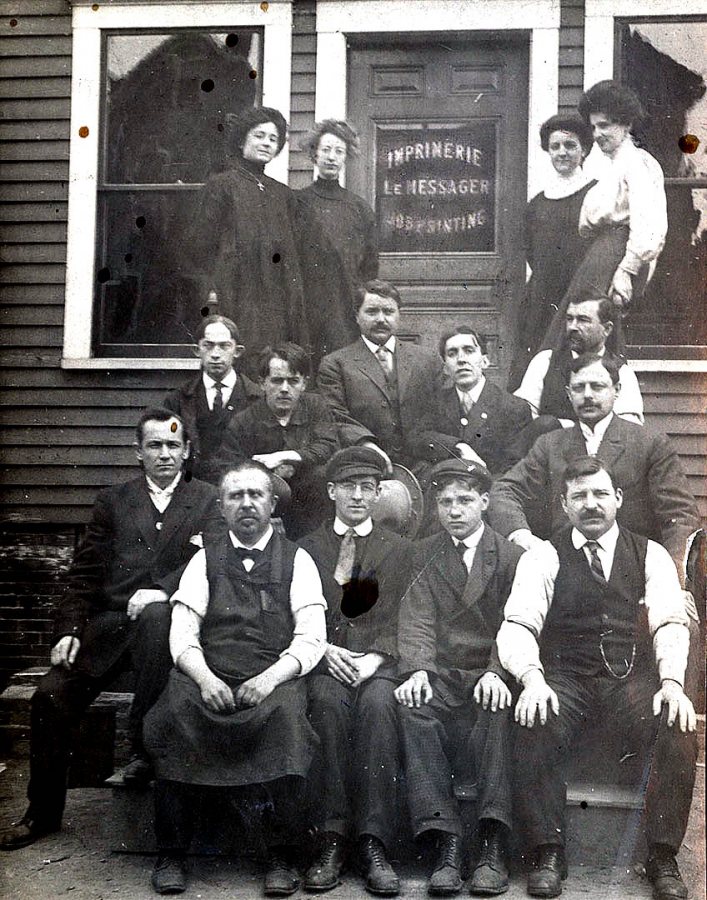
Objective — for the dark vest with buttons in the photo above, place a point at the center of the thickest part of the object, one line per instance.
(210, 425)
(554, 400)
(587, 616)
(248, 622)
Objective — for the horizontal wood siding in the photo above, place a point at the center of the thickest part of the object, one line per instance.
(304, 58)
(571, 76)
(676, 404)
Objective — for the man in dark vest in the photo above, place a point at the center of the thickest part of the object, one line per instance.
(248, 621)
(208, 401)
(365, 570)
(596, 627)
(588, 324)
(454, 704)
(377, 385)
(115, 613)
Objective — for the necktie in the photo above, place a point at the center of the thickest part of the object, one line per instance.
(461, 550)
(347, 558)
(595, 562)
(218, 397)
(467, 403)
(385, 358)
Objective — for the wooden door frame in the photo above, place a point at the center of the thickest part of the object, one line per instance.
(336, 19)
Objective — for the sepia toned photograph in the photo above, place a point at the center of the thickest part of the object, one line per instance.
(354, 448)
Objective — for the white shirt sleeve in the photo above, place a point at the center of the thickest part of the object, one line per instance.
(648, 218)
(531, 387)
(526, 610)
(667, 618)
(629, 403)
(189, 604)
(308, 606)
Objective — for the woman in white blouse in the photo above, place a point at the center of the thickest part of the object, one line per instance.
(624, 215)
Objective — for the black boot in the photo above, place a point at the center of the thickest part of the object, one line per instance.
(662, 870)
(281, 878)
(490, 875)
(545, 880)
(375, 868)
(325, 871)
(446, 878)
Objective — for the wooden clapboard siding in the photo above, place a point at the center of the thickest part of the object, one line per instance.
(676, 404)
(303, 89)
(571, 76)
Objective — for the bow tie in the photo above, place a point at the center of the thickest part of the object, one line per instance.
(242, 553)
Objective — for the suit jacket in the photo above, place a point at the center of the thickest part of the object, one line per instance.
(123, 551)
(189, 401)
(449, 619)
(354, 384)
(384, 572)
(656, 498)
(494, 428)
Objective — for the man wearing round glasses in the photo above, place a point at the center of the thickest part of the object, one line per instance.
(208, 401)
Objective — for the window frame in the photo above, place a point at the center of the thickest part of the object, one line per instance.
(89, 21)
(602, 21)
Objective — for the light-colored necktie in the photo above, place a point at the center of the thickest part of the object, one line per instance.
(594, 561)
(467, 403)
(347, 558)
(385, 358)
(218, 397)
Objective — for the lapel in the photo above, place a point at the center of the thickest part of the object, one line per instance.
(404, 363)
(447, 572)
(370, 367)
(175, 514)
(377, 548)
(614, 443)
(573, 443)
(482, 569)
(139, 501)
(479, 415)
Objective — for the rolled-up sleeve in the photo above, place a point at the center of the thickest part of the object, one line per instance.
(308, 611)
(526, 610)
(189, 604)
(667, 616)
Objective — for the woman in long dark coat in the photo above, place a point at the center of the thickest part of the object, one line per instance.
(554, 247)
(245, 238)
(347, 242)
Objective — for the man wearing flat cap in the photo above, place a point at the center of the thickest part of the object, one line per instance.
(454, 704)
(365, 570)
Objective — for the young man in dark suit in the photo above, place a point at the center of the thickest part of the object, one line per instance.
(115, 613)
(596, 633)
(208, 401)
(470, 418)
(454, 702)
(377, 385)
(365, 570)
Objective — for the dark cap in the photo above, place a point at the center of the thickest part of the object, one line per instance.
(451, 469)
(355, 461)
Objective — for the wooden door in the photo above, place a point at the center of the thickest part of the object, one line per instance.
(443, 126)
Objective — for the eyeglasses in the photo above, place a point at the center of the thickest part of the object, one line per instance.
(350, 486)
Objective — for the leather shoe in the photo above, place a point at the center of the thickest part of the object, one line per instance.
(281, 880)
(375, 868)
(490, 876)
(138, 773)
(662, 870)
(446, 876)
(169, 875)
(23, 833)
(545, 880)
(325, 872)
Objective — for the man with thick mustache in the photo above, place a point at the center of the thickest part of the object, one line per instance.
(595, 630)
(525, 502)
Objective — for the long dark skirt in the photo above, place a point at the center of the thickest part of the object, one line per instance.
(189, 743)
(596, 271)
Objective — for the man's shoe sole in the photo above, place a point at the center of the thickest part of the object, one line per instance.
(487, 892)
(321, 888)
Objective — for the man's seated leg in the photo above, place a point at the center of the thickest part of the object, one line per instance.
(434, 810)
(283, 835)
(330, 709)
(174, 825)
(539, 790)
(57, 705)
(152, 663)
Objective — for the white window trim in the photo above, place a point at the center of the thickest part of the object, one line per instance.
(599, 53)
(541, 18)
(87, 23)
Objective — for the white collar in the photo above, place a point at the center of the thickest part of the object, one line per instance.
(165, 491)
(228, 380)
(473, 393)
(363, 529)
(558, 187)
(599, 430)
(598, 353)
(471, 541)
(260, 544)
(607, 542)
(374, 348)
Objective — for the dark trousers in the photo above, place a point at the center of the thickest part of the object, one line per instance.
(622, 705)
(178, 806)
(63, 695)
(354, 777)
(440, 741)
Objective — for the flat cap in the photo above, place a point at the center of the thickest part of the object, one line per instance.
(449, 469)
(355, 461)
